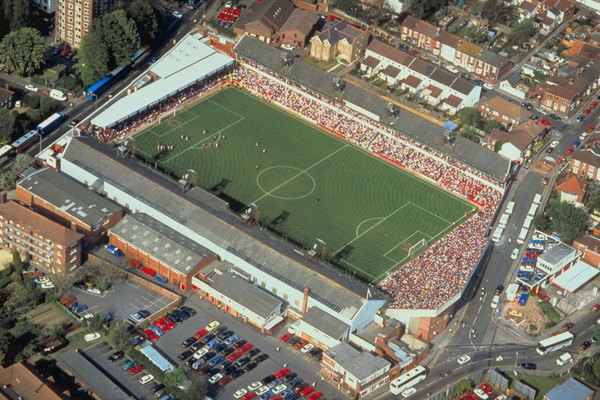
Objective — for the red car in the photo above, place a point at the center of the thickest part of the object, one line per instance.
(544, 296)
(567, 326)
(246, 348)
(300, 344)
(134, 264)
(282, 372)
(307, 391)
(285, 337)
(151, 335)
(201, 333)
(249, 396)
(586, 112)
(315, 396)
(276, 397)
(593, 104)
(225, 380)
(470, 396)
(545, 122)
(569, 151)
(233, 357)
(590, 128)
(136, 369)
(163, 327)
(300, 387)
(487, 388)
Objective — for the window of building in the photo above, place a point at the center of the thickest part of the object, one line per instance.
(274, 290)
(285, 296)
(262, 284)
(297, 303)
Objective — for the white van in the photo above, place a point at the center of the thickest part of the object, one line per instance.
(565, 358)
(58, 95)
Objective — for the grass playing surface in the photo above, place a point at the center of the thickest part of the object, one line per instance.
(306, 182)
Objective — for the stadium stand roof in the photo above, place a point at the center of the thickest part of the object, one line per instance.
(161, 242)
(418, 128)
(183, 72)
(69, 196)
(189, 51)
(220, 228)
(576, 276)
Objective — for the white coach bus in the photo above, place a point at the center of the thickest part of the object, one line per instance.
(408, 380)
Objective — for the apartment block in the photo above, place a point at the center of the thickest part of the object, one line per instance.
(39, 239)
(74, 18)
(47, 6)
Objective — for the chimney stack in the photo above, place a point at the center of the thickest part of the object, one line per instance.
(306, 291)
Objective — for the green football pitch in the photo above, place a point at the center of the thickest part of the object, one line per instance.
(306, 182)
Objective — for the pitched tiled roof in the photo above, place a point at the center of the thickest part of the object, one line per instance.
(448, 39)
(572, 185)
(273, 14)
(412, 81)
(469, 48)
(391, 71)
(453, 100)
(339, 29)
(390, 52)
(494, 59)
(520, 137)
(435, 91)
(420, 26)
(505, 107)
(302, 20)
(38, 223)
(371, 62)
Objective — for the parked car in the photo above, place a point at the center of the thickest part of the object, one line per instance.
(212, 326)
(189, 341)
(584, 346)
(136, 369)
(188, 310)
(146, 379)
(567, 326)
(90, 337)
(530, 366)
(117, 355)
(186, 354)
(260, 358)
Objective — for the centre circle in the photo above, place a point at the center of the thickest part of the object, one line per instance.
(285, 182)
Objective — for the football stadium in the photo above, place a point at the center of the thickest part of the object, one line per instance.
(306, 183)
(336, 172)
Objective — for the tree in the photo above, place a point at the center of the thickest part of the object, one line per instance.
(32, 100)
(16, 13)
(195, 389)
(145, 19)
(491, 124)
(23, 52)
(121, 36)
(120, 336)
(521, 31)
(567, 220)
(21, 163)
(17, 262)
(470, 116)
(47, 106)
(94, 55)
(175, 377)
(462, 386)
(542, 222)
(7, 124)
(425, 9)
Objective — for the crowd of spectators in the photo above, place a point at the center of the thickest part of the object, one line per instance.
(151, 115)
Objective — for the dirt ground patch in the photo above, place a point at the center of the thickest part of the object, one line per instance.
(5, 258)
(532, 321)
(46, 315)
(544, 167)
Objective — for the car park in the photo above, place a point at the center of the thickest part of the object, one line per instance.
(215, 378)
(189, 341)
(481, 394)
(261, 357)
(185, 355)
(487, 388)
(240, 393)
(188, 310)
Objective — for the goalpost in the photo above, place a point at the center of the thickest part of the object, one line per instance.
(417, 246)
(171, 113)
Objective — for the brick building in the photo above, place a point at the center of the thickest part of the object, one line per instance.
(572, 190)
(298, 28)
(589, 245)
(74, 18)
(160, 249)
(338, 40)
(508, 113)
(46, 243)
(263, 19)
(585, 164)
(66, 201)
(476, 60)
(354, 372)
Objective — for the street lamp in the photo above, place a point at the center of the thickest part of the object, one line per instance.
(517, 359)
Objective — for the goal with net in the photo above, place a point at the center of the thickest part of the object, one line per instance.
(417, 246)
